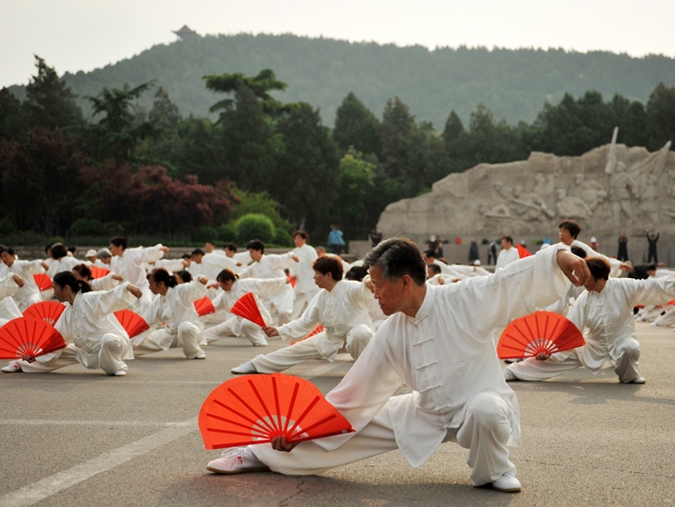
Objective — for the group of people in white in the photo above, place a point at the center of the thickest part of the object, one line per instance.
(402, 315)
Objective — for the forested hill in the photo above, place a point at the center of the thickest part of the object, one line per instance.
(512, 83)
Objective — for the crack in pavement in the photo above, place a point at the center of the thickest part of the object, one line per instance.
(284, 502)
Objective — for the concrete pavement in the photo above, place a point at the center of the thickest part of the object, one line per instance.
(81, 438)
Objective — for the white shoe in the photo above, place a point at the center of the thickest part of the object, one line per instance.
(509, 375)
(507, 483)
(12, 367)
(237, 461)
(120, 373)
(247, 367)
(639, 380)
(201, 355)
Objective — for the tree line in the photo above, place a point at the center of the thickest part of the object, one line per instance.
(154, 172)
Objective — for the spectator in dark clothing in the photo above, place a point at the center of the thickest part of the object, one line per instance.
(652, 256)
(623, 248)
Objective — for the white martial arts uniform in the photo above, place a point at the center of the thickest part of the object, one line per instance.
(610, 334)
(214, 262)
(94, 336)
(614, 264)
(507, 256)
(171, 265)
(183, 327)
(305, 288)
(446, 355)
(437, 279)
(238, 326)
(343, 313)
(30, 292)
(272, 266)
(57, 266)
(106, 282)
(8, 308)
(130, 266)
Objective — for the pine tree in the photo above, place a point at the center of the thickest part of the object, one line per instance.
(356, 126)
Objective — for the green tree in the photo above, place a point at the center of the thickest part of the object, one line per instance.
(199, 150)
(248, 141)
(661, 116)
(307, 167)
(260, 85)
(13, 120)
(49, 102)
(120, 132)
(258, 202)
(166, 119)
(356, 183)
(398, 126)
(356, 126)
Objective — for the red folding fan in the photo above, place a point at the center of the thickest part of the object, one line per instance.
(132, 323)
(247, 307)
(27, 338)
(97, 272)
(204, 306)
(43, 281)
(538, 332)
(317, 330)
(49, 311)
(522, 251)
(253, 409)
(292, 280)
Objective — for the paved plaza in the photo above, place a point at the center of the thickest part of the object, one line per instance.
(79, 438)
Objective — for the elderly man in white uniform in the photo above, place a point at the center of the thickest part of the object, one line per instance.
(508, 253)
(128, 262)
(305, 288)
(341, 307)
(606, 311)
(438, 341)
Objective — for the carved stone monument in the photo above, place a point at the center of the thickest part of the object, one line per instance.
(608, 190)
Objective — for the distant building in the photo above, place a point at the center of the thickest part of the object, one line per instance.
(186, 33)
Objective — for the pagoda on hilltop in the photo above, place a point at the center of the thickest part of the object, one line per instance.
(186, 33)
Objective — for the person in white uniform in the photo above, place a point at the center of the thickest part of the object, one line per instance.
(568, 231)
(438, 340)
(174, 306)
(605, 311)
(30, 292)
(232, 290)
(107, 282)
(305, 288)
(93, 335)
(341, 307)
(128, 262)
(508, 253)
(272, 266)
(9, 283)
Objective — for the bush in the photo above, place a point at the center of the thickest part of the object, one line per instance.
(204, 234)
(88, 227)
(6, 227)
(57, 239)
(254, 226)
(283, 238)
(227, 233)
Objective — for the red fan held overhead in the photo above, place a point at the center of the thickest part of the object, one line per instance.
(132, 323)
(539, 332)
(49, 311)
(253, 409)
(247, 307)
(522, 251)
(43, 281)
(97, 272)
(27, 338)
(204, 306)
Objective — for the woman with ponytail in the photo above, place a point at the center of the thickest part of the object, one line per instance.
(174, 305)
(107, 282)
(94, 336)
(233, 289)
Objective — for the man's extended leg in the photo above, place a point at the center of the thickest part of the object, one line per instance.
(282, 359)
(534, 370)
(627, 363)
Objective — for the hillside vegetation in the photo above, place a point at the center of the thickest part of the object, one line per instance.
(513, 84)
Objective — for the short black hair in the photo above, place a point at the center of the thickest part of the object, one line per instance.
(197, 251)
(226, 275)
(83, 271)
(256, 244)
(184, 275)
(120, 241)
(186, 256)
(397, 257)
(329, 264)
(356, 273)
(302, 234)
(435, 268)
(599, 268)
(578, 251)
(572, 227)
(231, 247)
(430, 253)
(507, 238)
(58, 251)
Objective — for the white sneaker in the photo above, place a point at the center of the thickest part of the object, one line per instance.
(509, 375)
(507, 483)
(120, 373)
(638, 380)
(237, 461)
(201, 355)
(247, 367)
(12, 367)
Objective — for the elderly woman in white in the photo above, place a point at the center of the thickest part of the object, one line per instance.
(94, 336)
(174, 306)
(232, 290)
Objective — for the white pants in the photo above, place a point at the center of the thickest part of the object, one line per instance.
(282, 359)
(667, 319)
(28, 301)
(113, 348)
(625, 367)
(302, 298)
(236, 326)
(189, 337)
(485, 432)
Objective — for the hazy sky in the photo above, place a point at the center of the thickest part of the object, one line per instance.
(74, 35)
